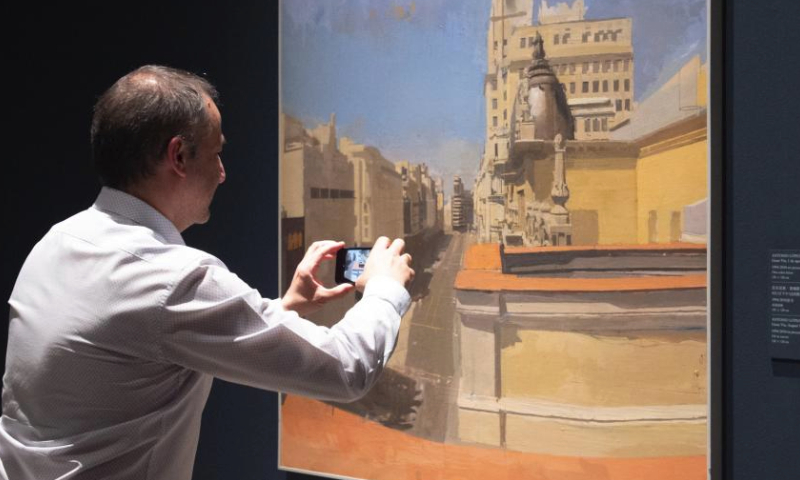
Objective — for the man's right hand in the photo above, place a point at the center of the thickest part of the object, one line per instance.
(387, 259)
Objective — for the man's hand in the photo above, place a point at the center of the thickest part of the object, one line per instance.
(388, 260)
(306, 294)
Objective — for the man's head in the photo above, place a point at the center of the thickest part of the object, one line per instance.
(159, 126)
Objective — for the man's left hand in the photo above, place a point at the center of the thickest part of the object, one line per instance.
(306, 294)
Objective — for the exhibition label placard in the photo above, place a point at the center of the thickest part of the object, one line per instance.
(785, 304)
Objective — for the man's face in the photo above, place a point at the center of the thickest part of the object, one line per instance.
(205, 169)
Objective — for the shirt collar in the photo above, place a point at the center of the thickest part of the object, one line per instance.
(122, 204)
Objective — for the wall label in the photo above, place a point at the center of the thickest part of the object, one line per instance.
(784, 309)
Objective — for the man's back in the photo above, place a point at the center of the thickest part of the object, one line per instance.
(117, 328)
(84, 344)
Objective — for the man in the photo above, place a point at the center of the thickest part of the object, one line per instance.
(117, 328)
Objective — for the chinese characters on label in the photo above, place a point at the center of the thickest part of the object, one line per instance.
(785, 304)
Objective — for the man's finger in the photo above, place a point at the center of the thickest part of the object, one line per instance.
(382, 243)
(330, 247)
(325, 248)
(397, 246)
(327, 294)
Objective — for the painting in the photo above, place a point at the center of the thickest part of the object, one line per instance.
(547, 164)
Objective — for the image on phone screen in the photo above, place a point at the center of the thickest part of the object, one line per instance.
(355, 259)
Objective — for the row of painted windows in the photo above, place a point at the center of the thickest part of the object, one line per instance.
(618, 65)
(595, 125)
(331, 193)
(598, 85)
(564, 38)
(602, 35)
(595, 86)
(619, 105)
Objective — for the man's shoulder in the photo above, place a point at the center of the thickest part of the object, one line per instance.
(106, 234)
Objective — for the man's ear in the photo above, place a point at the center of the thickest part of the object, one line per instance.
(177, 155)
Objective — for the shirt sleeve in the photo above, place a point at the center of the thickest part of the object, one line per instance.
(215, 323)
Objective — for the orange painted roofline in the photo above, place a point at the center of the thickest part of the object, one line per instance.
(481, 271)
(492, 281)
(676, 247)
(486, 256)
(483, 256)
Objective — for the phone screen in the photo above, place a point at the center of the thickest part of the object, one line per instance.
(350, 264)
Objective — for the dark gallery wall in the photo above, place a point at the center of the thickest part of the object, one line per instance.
(58, 59)
(762, 397)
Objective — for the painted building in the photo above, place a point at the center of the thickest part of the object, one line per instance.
(411, 198)
(439, 203)
(317, 198)
(462, 209)
(644, 182)
(430, 200)
(597, 364)
(316, 181)
(593, 61)
(670, 132)
(378, 205)
(421, 202)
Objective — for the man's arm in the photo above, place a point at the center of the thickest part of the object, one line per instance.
(213, 322)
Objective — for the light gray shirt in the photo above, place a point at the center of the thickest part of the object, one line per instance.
(117, 328)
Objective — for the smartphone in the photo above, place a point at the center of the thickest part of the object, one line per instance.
(350, 263)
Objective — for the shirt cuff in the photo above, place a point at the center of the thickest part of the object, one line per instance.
(275, 305)
(390, 290)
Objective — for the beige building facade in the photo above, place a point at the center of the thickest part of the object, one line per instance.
(378, 205)
(462, 208)
(635, 178)
(422, 206)
(316, 181)
(317, 200)
(593, 60)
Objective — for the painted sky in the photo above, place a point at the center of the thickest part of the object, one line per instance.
(407, 77)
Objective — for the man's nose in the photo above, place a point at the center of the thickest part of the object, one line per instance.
(221, 172)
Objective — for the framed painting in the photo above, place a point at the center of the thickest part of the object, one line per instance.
(549, 165)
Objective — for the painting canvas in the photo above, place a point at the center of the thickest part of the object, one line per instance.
(546, 163)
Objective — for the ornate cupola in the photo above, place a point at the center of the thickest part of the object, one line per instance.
(546, 99)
